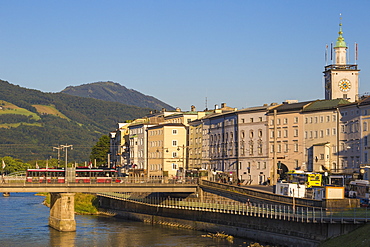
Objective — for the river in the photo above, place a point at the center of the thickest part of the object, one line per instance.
(24, 222)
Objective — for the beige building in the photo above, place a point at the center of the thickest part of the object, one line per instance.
(167, 150)
(195, 144)
(321, 125)
(119, 143)
(253, 155)
(286, 142)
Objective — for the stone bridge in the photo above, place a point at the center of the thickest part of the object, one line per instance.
(62, 194)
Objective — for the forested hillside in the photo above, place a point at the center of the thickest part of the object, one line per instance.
(110, 91)
(33, 122)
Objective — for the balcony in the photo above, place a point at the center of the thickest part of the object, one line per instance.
(341, 67)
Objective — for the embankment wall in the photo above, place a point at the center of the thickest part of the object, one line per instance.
(274, 231)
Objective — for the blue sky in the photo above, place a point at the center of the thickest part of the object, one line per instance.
(244, 53)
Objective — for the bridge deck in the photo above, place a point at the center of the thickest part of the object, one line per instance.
(96, 188)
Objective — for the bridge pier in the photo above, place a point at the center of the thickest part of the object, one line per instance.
(62, 212)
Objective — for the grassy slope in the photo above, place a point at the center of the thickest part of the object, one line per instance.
(357, 238)
(9, 108)
(47, 109)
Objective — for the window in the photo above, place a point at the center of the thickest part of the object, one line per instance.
(328, 132)
(279, 148)
(279, 133)
(295, 132)
(295, 119)
(174, 143)
(272, 134)
(250, 149)
(365, 157)
(285, 133)
(286, 147)
(285, 121)
(305, 135)
(259, 148)
(334, 149)
(327, 118)
(321, 119)
(259, 133)
(321, 133)
(242, 134)
(264, 165)
(334, 131)
(174, 166)
(365, 126)
(258, 165)
(365, 141)
(174, 154)
(272, 148)
(251, 134)
(334, 118)
(278, 121)
(260, 118)
(295, 147)
(242, 120)
(251, 120)
(174, 132)
(315, 119)
(296, 163)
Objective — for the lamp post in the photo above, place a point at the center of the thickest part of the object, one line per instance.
(65, 147)
(58, 148)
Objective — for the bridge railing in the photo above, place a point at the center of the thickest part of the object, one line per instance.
(280, 212)
(278, 199)
(9, 181)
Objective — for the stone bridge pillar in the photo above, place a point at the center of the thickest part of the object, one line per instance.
(62, 212)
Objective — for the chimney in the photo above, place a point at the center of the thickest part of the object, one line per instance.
(163, 109)
(192, 108)
(216, 107)
(178, 109)
(223, 105)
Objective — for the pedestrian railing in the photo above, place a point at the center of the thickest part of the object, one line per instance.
(279, 212)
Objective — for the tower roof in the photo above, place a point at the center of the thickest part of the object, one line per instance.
(340, 41)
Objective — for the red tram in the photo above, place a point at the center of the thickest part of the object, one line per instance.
(74, 175)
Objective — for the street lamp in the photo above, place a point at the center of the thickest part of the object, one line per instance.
(58, 148)
(65, 147)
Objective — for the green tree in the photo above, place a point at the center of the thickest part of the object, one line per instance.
(13, 165)
(100, 150)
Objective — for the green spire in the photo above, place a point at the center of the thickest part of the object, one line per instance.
(340, 40)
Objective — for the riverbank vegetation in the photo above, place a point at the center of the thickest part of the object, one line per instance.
(84, 203)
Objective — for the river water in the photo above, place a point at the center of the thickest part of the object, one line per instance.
(24, 222)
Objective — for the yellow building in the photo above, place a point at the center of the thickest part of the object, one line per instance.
(167, 149)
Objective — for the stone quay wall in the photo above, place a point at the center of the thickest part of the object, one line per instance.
(273, 231)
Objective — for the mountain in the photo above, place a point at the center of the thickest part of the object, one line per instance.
(33, 122)
(110, 91)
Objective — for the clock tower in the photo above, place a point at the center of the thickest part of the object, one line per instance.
(341, 79)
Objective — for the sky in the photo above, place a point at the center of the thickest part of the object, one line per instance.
(184, 52)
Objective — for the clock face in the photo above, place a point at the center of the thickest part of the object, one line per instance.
(344, 85)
